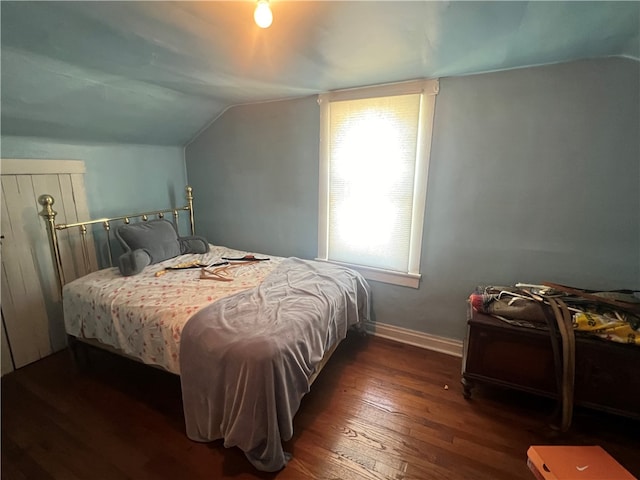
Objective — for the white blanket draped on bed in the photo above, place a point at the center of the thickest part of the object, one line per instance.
(246, 360)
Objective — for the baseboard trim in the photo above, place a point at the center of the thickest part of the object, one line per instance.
(415, 338)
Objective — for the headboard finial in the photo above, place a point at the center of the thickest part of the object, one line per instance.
(47, 201)
(189, 207)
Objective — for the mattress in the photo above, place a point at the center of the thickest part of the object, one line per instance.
(143, 315)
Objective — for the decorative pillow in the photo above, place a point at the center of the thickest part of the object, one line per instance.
(146, 243)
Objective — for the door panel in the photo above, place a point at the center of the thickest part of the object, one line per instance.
(31, 303)
(23, 305)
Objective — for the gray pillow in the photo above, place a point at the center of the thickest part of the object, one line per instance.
(151, 242)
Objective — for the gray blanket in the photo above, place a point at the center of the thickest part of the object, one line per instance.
(246, 360)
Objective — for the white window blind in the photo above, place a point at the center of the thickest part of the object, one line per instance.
(374, 157)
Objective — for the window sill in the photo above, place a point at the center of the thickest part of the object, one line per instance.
(379, 275)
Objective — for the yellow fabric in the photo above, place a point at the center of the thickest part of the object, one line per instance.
(612, 326)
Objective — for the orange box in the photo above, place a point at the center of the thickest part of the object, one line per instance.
(574, 463)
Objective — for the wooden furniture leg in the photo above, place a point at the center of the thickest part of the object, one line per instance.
(467, 387)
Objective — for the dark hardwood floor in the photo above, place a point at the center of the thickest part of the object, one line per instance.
(379, 410)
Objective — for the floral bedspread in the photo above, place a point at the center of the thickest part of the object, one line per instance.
(143, 315)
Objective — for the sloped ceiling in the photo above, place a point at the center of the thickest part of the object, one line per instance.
(158, 72)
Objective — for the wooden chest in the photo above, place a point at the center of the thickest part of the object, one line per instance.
(496, 352)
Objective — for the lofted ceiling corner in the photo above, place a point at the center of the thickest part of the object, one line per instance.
(158, 72)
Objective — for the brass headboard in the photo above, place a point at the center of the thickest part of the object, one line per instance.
(53, 228)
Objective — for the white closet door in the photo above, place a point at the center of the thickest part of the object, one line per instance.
(31, 304)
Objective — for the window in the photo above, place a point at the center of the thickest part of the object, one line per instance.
(374, 158)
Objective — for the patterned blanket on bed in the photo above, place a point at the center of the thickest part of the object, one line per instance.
(246, 360)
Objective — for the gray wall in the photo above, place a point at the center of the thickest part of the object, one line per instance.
(535, 175)
(255, 178)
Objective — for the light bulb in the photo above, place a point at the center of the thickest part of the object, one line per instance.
(262, 14)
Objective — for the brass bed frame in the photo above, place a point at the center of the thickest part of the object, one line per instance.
(49, 215)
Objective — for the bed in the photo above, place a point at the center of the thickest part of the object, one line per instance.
(247, 333)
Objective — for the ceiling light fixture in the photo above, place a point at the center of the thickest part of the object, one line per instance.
(262, 15)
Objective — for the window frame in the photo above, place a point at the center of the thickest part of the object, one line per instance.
(428, 88)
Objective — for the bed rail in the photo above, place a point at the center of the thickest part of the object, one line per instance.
(49, 215)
